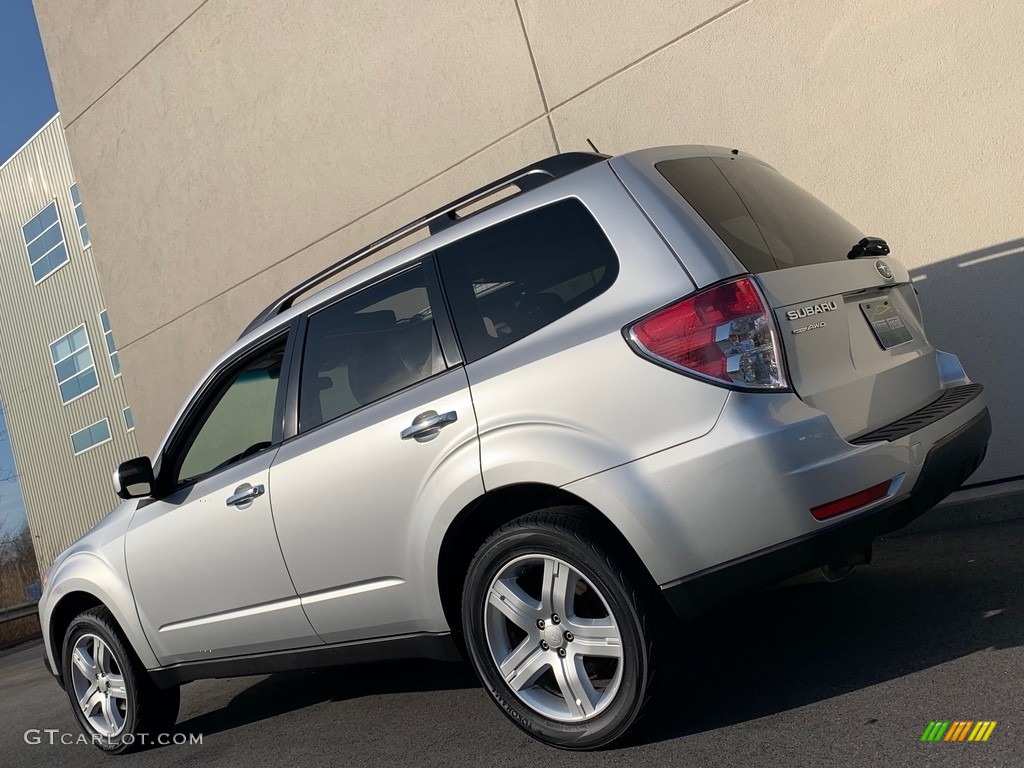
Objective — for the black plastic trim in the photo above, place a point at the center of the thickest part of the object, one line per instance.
(443, 322)
(437, 646)
(946, 403)
(948, 464)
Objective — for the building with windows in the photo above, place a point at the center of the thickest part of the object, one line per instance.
(68, 419)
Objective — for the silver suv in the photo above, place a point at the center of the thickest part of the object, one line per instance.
(629, 388)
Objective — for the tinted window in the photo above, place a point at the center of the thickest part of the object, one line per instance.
(765, 219)
(241, 419)
(518, 276)
(366, 347)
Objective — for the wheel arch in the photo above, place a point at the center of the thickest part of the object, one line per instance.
(61, 616)
(479, 519)
(83, 581)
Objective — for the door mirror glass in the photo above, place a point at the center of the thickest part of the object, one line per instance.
(134, 479)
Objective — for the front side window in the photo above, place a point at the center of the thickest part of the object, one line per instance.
(83, 229)
(238, 420)
(514, 278)
(44, 240)
(73, 364)
(91, 436)
(366, 347)
(108, 338)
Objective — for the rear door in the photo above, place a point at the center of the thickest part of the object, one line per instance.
(851, 327)
(386, 438)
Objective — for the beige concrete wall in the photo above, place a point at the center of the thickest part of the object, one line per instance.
(250, 144)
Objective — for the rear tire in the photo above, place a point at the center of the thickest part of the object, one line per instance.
(113, 698)
(566, 633)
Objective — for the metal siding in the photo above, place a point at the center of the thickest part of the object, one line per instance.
(64, 494)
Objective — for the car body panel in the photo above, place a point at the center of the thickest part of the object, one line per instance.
(346, 499)
(95, 565)
(776, 458)
(209, 578)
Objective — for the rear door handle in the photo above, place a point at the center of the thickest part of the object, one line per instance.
(244, 494)
(428, 424)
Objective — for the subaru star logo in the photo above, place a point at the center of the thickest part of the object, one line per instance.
(883, 269)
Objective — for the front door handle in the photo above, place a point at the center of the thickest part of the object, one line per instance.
(426, 426)
(244, 494)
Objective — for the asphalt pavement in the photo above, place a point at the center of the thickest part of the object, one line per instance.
(844, 674)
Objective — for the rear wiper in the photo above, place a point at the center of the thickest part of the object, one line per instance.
(869, 246)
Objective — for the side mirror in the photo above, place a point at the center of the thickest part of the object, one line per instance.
(134, 478)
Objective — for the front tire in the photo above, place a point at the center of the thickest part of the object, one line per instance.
(569, 639)
(116, 704)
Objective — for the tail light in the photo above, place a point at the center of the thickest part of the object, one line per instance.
(724, 333)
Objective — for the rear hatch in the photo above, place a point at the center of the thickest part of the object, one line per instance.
(851, 328)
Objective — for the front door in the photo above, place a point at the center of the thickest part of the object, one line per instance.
(203, 559)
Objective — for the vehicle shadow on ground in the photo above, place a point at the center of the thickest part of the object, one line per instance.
(928, 599)
(785, 648)
(285, 692)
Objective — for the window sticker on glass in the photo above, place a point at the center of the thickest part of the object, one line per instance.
(886, 322)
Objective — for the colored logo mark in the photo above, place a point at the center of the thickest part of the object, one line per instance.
(958, 730)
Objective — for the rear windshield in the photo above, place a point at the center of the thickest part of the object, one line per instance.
(765, 219)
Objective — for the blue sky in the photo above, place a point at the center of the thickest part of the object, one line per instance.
(26, 104)
(26, 95)
(12, 508)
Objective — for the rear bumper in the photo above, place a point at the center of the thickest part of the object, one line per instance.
(948, 463)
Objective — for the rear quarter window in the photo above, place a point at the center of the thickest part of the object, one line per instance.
(766, 220)
(518, 276)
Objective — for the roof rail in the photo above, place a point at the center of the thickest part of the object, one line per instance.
(530, 177)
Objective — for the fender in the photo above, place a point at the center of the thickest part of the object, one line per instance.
(89, 572)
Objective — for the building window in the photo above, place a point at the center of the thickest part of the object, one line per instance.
(44, 240)
(91, 436)
(83, 228)
(73, 364)
(129, 420)
(108, 337)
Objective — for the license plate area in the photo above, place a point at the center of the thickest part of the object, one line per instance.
(886, 323)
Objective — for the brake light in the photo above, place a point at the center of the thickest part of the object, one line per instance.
(723, 333)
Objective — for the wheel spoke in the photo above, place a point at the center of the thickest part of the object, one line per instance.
(99, 654)
(558, 586)
(529, 669)
(514, 604)
(596, 637)
(117, 689)
(107, 709)
(85, 701)
(83, 663)
(89, 700)
(576, 693)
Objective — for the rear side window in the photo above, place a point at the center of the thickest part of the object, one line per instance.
(510, 280)
(368, 346)
(766, 220)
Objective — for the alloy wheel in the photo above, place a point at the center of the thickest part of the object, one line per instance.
(553, 638)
